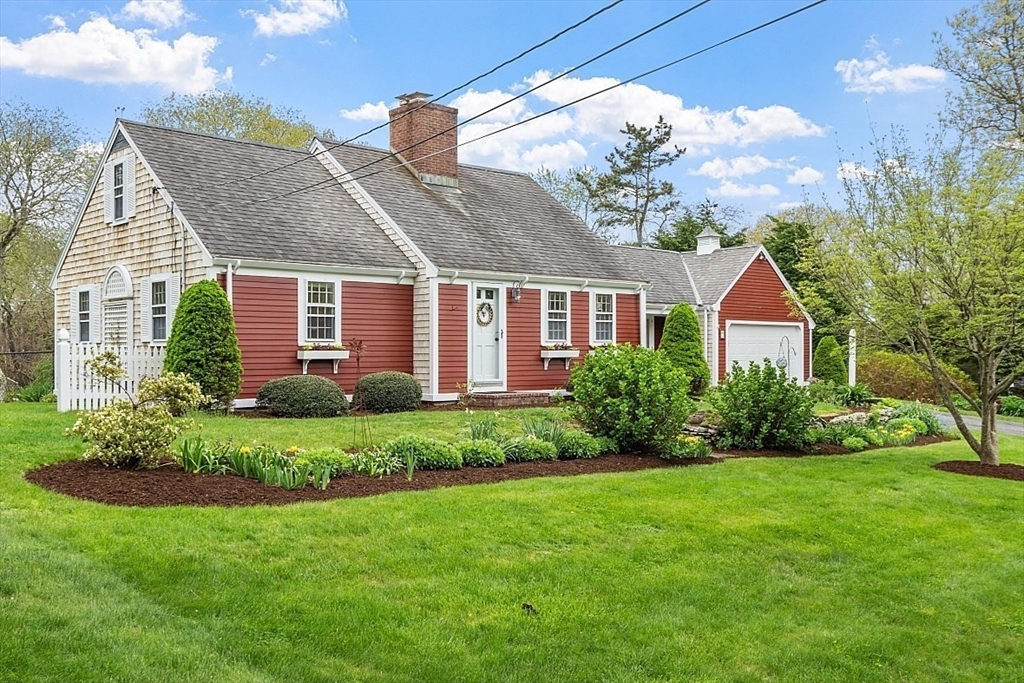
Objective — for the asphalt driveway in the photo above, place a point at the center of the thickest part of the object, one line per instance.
(1002, 426)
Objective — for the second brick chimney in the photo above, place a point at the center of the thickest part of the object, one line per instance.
(413, 122)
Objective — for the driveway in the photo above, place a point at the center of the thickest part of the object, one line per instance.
(1002, 426)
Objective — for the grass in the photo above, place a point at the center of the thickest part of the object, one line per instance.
(868, 567)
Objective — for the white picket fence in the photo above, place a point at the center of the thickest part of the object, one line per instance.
(78, 389)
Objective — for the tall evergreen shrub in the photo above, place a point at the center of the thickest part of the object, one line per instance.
(828, 361)
(681, 342)
(203, 343)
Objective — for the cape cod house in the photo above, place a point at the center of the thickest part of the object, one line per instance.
(461, 275)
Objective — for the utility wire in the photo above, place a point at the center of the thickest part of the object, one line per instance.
(468, 83)
(667, 65)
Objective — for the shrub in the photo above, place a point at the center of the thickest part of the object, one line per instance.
(123, 435)
(681, 342)
(577, 445)
(899, 423)
(898, 376)
(529, 449)
(203, 344)
(856, 396)
(760, 407)
(480, 453)
(336, 460)
(387, 392)
(41, 387)
(633, 395)
(608, 445)
(919, 412)
(302, 396)
(823, 391)
(837, 433)
(1012, 406)
(688, 447)
(425, 453)
(828, 361)
(855, 444)
(176, 391)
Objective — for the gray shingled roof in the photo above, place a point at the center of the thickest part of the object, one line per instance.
(323, 227)
(665, 271)
(712, 273)
(499, 221)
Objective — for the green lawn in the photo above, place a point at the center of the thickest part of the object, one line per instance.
(869, 567)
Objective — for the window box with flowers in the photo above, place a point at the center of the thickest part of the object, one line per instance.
(332, 352)
(563, 352)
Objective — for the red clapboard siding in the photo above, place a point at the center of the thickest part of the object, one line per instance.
(627, 318)
(266, 320)
(452, 342)
(580, 319)
(759, 295)
(525, 368)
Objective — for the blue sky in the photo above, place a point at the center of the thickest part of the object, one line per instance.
(766, 120)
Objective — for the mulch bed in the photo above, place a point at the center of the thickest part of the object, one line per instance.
(826, 449)
(976, 469)
(171, 485)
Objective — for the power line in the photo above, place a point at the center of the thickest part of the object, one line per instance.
(667, 65)
(468, 83)
(523, 94)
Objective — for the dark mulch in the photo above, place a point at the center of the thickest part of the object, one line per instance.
(975, 469)
(824, 449)
(171, 485)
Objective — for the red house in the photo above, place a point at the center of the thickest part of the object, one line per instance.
(464, 276)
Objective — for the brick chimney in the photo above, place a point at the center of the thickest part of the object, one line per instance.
(415, 120)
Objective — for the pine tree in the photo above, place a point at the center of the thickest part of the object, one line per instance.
(203, 343)
(681, 342)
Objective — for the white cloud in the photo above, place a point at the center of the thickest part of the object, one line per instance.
(268, 58)
(737, 167)
(786, 206)
(849, 170)
(99, 52)
(875, 75)
(368, 111)
(696, 127)
(297, 17)
(160, 13)
(559, 156)
(731, 189)
(805, 176)
(56, 21)
(472, 103)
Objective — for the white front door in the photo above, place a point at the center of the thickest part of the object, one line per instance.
(486, 335)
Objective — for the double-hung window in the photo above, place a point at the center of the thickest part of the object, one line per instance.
(158, 309)
(321, 311)
(118, 191)
(604, 318)
(557, 317)
(84, 321)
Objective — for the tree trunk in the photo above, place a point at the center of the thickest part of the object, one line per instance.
(989, 445)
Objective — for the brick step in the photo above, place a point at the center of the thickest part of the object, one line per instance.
(512, 399)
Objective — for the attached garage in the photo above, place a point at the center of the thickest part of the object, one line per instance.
(752, 342)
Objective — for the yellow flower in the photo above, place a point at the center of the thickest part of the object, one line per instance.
(293, 450)
(245, 450)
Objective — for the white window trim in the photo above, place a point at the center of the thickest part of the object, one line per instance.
(544, 316)
(166, 279)
(128, 184)
(303, 282)
(113, 191)
(95, 328)
(593, 319)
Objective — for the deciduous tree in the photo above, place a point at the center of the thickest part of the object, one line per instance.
(681, 233)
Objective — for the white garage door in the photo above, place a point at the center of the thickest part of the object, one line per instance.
(749, 343)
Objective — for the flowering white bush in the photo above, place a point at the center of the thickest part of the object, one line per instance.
(175, 390)
(125, 435)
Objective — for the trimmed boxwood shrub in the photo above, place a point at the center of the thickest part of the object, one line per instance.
(633, 395)
(897, 375)
(203, 344)
(426, 453)
(302, 396)
(577, 445)
(681, 342)
(760, 407)
(529, 449)
(828, 361)
(480, 453)
(387, 392)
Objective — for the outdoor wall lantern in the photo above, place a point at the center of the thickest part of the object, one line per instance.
(517, 291)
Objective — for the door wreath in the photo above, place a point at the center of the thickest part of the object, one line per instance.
(484, 314)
